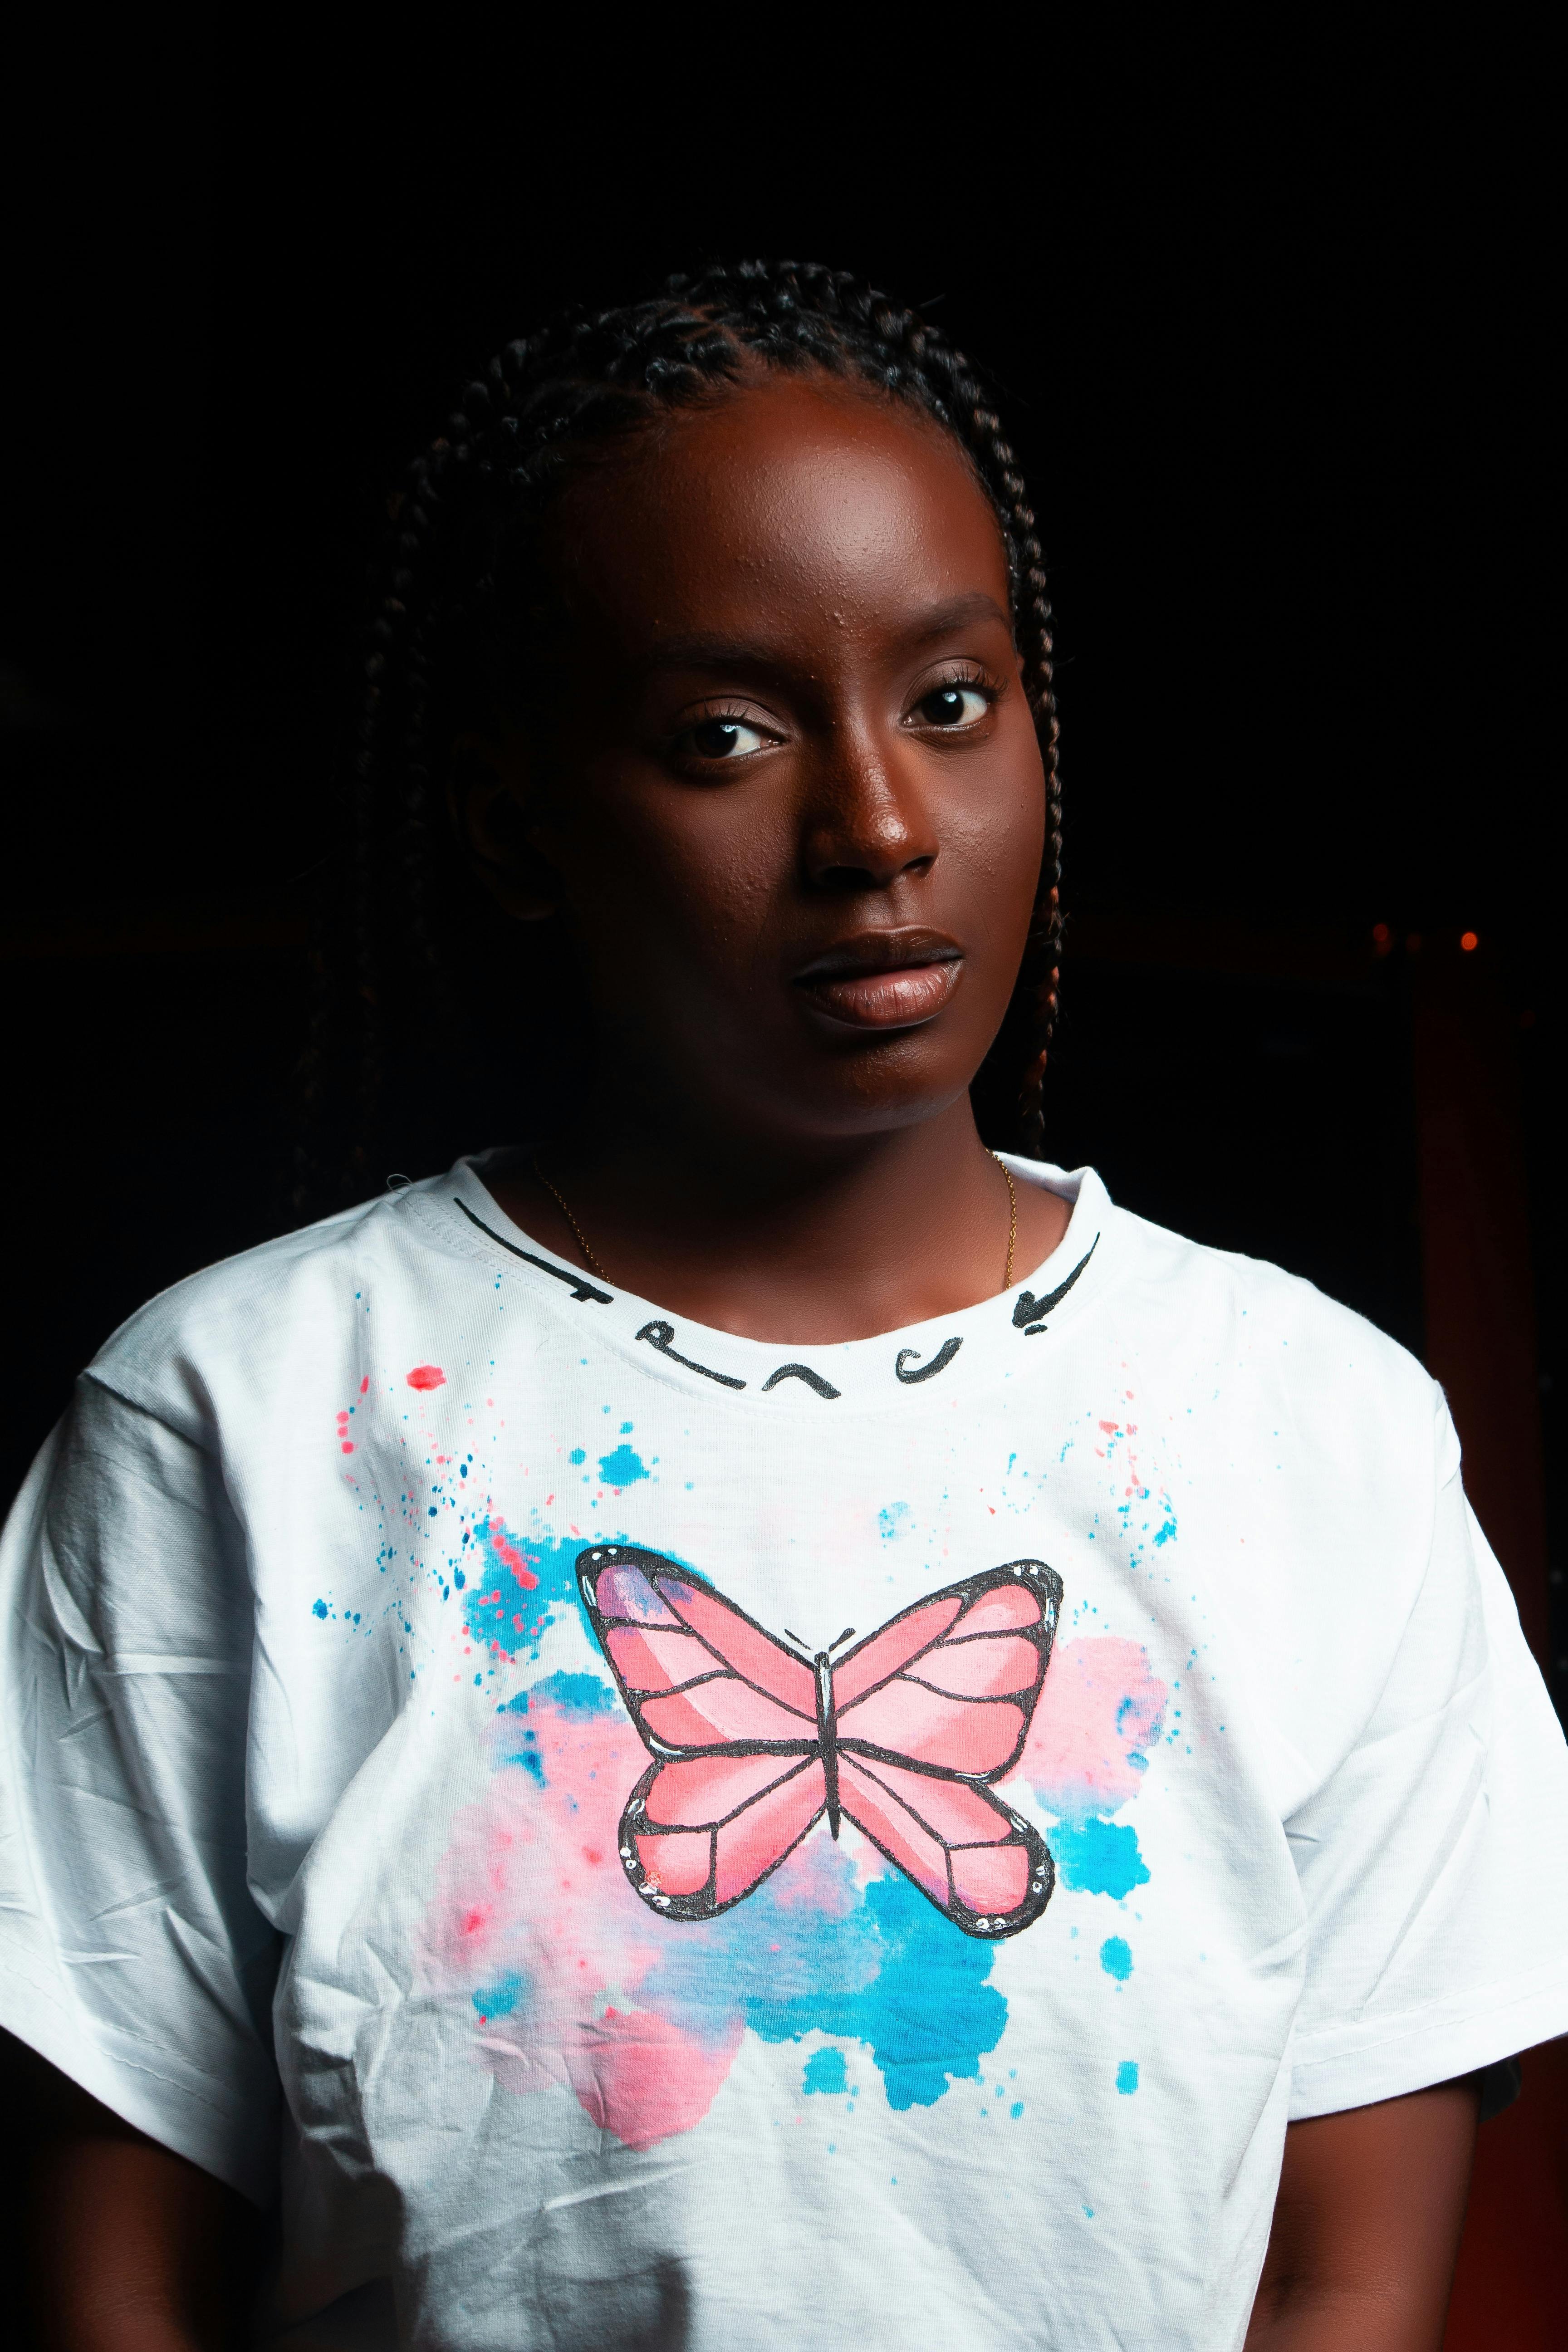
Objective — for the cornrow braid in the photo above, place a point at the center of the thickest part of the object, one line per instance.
(461, 564)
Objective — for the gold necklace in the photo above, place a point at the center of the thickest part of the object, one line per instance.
(1012, 1218)
(560, 1201)
(582, 1239)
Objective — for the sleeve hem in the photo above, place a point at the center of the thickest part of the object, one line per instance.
(1428, 2050)
(218, 2135)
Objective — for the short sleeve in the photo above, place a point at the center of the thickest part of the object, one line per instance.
(1433, 1862)
(132, 1954)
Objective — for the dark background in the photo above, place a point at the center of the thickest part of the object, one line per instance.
(1269, 319)
(1270, 326)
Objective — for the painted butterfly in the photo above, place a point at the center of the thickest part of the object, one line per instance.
(754, 1742)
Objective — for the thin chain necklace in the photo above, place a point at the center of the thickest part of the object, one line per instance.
(582, 1239)
(560, 1200)
(1012, 1218)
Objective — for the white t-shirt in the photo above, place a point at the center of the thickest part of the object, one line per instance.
(434, 1679)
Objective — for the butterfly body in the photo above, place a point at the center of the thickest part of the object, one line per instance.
(827, 1739)
(755, 1743)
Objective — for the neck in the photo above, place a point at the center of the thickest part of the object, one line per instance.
(821, 1241)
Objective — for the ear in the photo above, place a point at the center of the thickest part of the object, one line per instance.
(487, 797)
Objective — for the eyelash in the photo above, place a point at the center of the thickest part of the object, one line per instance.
(971, 675)
(725, 714)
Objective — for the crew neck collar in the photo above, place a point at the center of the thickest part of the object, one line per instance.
(998, 1339)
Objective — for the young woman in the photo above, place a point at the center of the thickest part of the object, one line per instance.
(781, 1729)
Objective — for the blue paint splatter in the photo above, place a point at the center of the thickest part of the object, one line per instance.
(502, 1608)
(319, 1608)
(1097, 1857)
(621, 1468)
(892, 1520)
(573, 1694)
(825, 2071)
(577, 1454)
(520, 1747)
(502, 1997)
(892, 1974)
(1116, 1958)
(1127, 2077)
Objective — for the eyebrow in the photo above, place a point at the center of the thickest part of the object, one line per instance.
(732, 653)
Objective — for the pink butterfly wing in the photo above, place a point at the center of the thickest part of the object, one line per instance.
(741, 1643)
(699, 1834)
(696, 1673)
(871, 1662)
(951, 1683)
(734, 1713)
(935, 1704)
(985, 1868)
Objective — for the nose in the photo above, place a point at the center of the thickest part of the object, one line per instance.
(867, 825)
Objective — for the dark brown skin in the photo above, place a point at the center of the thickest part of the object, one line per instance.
(801, 935)
(1366, 2227)
(130, 2245)
(820, 568)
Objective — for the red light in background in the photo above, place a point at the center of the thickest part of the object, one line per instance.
(1468, 941)
(1380, 933)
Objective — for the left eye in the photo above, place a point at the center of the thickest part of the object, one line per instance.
(952, 706)
(724, 738)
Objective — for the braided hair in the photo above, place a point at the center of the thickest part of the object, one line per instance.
(461, 572)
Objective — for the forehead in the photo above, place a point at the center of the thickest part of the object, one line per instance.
(795, 502)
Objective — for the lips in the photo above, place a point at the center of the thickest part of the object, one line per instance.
(884, 979)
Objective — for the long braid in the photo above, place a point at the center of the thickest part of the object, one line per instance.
(460, 562)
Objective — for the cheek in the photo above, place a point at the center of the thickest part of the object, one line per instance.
(684, 883)
(995, 840)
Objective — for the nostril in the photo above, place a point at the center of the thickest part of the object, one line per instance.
(846, 880)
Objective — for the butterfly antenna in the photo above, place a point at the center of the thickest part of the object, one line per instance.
(847, 1636)
(796, 1639)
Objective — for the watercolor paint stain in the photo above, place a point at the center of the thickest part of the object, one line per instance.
(1097, 1857)
(1116, 1958)
(825, 2071)
(426, 1376)
(1127, 2077)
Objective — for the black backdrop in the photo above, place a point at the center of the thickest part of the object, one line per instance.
(1270, 331)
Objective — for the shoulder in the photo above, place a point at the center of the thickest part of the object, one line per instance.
(245, 1328)
(1271, 1350)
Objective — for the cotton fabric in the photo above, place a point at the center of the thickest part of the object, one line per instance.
(313, 1789)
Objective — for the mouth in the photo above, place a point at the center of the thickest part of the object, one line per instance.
(883, 979)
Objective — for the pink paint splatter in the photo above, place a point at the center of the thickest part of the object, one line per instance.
(644, 2079)
(597, 2017)
(1100, 1710)
(426, 1376)
(507, 1552)
(636, 2073)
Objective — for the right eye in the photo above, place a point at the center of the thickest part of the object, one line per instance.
(723, 739)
